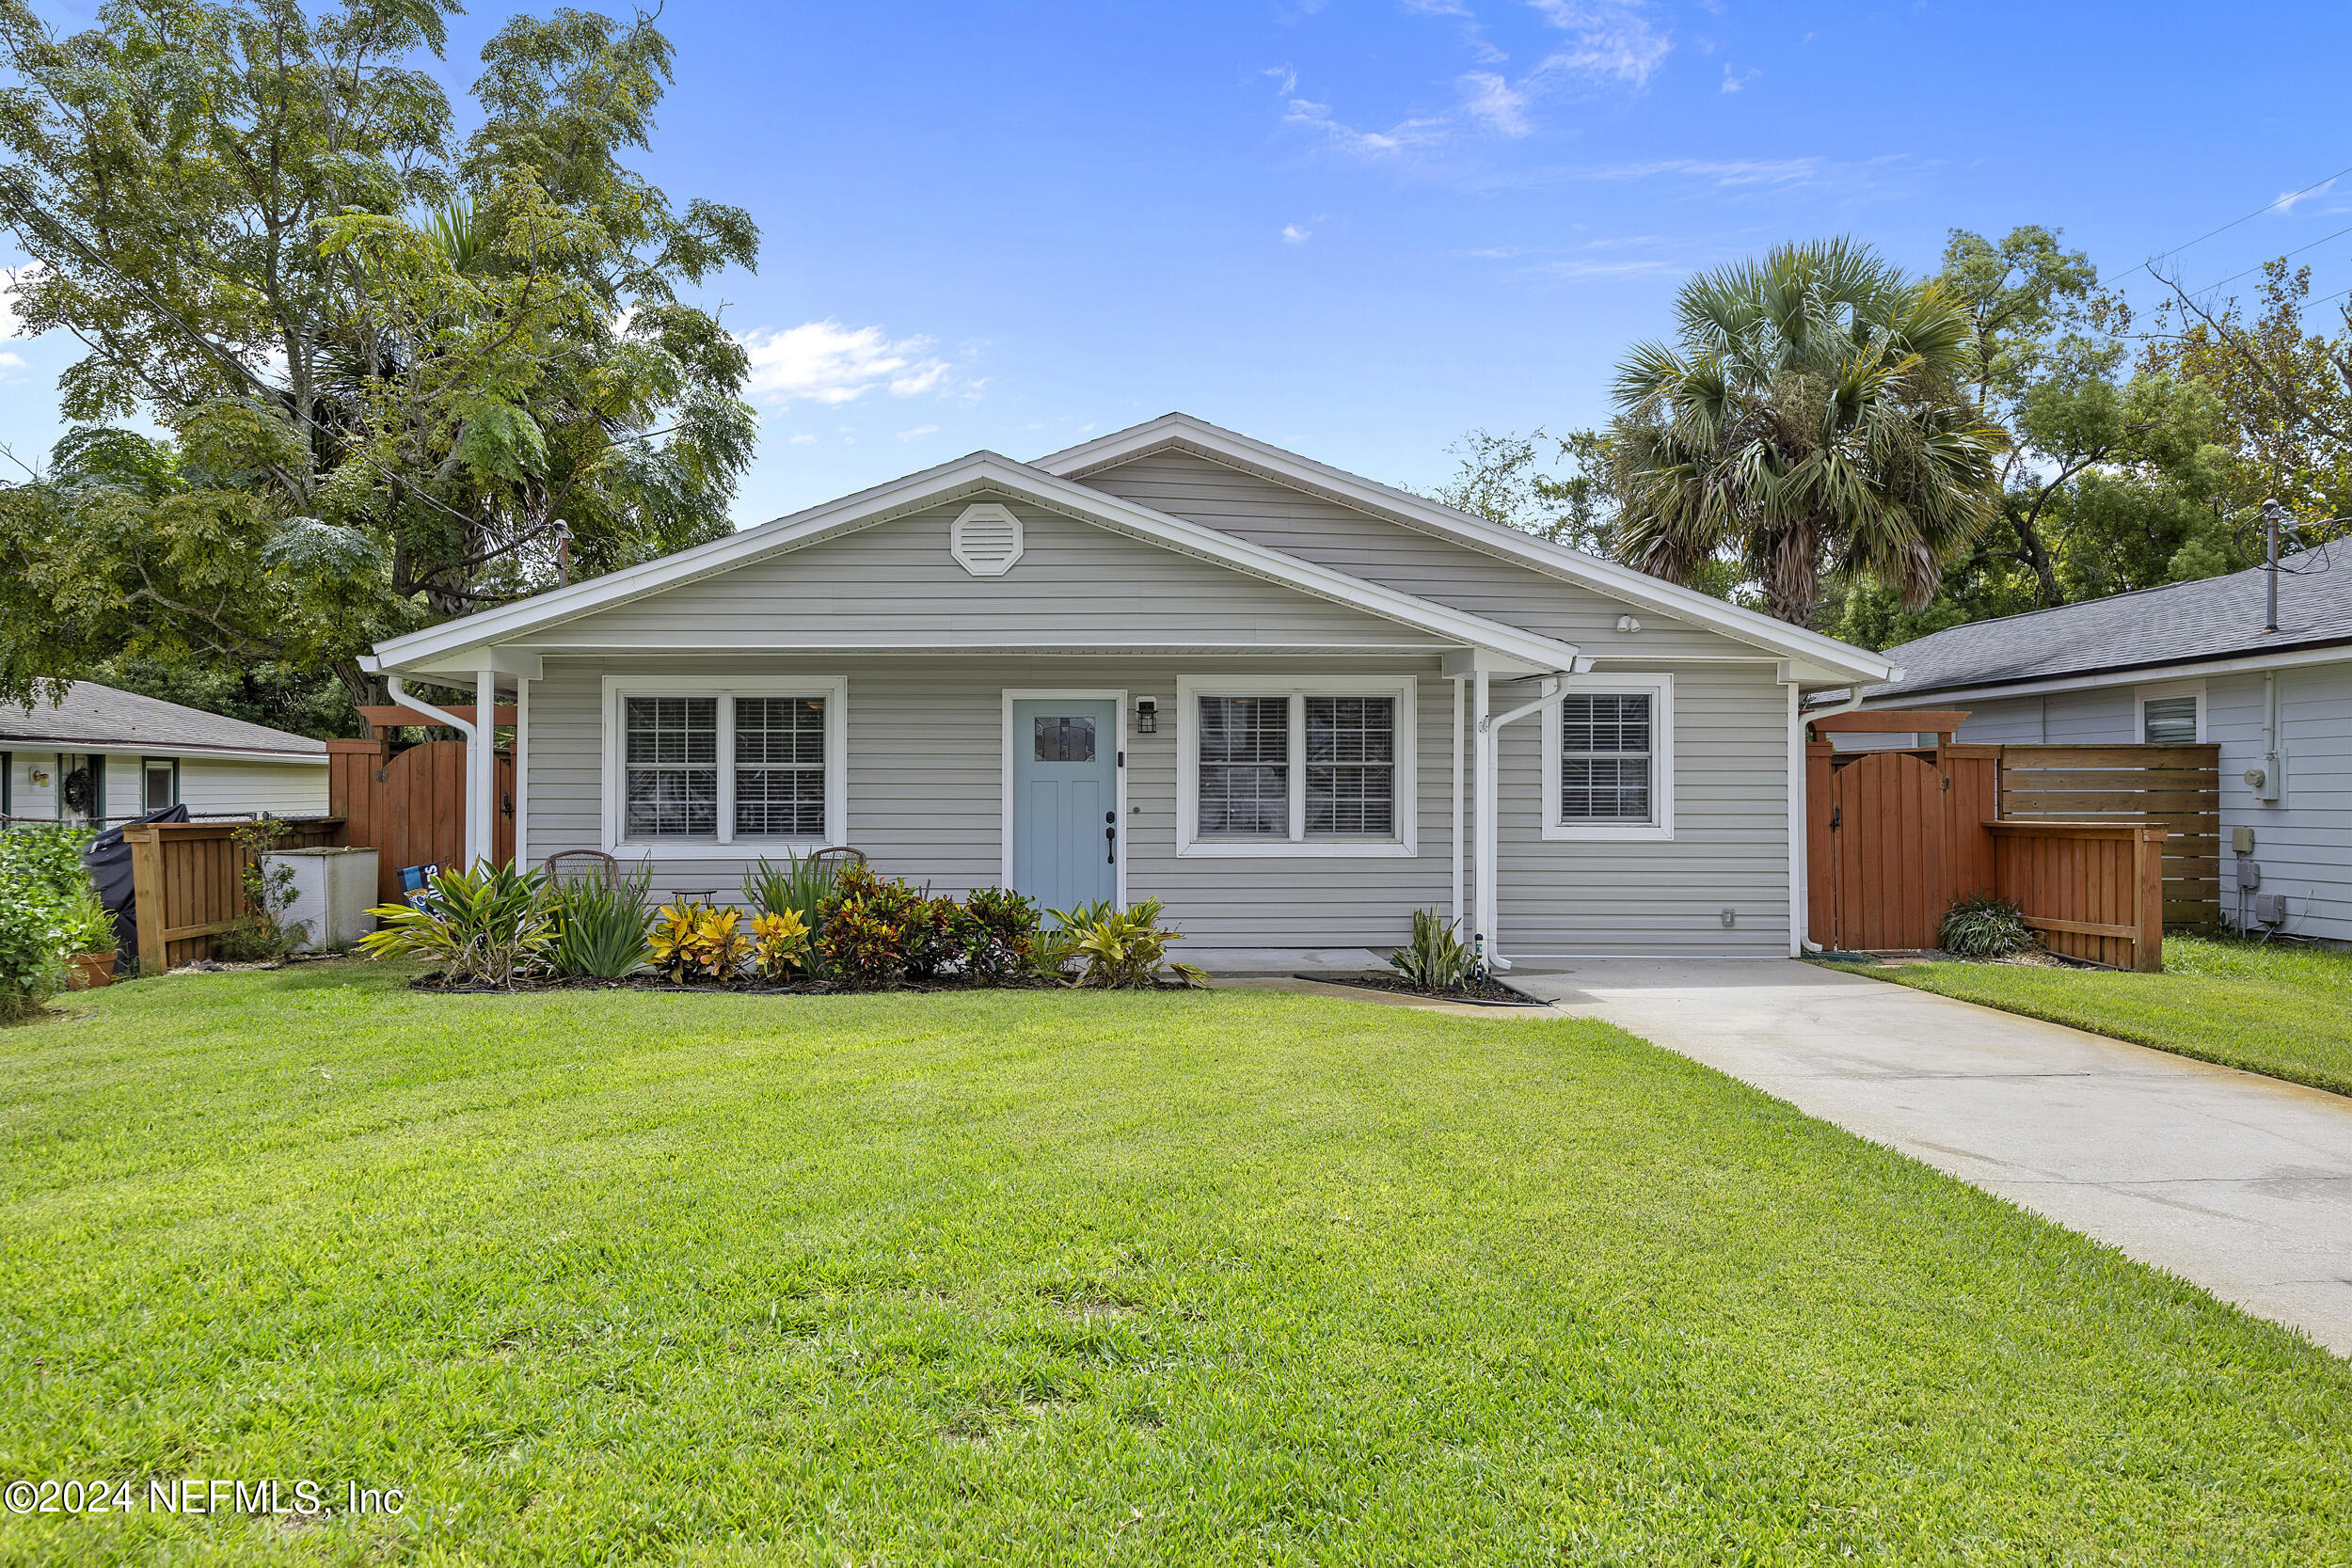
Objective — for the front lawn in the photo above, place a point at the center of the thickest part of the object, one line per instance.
(1226, 1277)
(2286, 1011)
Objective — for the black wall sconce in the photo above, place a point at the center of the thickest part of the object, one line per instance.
(1147, 716)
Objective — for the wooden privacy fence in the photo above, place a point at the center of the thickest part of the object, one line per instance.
(2175, 787)
(2093, 891)
(1895, 837)
(188, 880)
(410, 806)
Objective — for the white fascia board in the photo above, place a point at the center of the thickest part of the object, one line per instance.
(1525, 549)
(206, 753)
(2145, 674)
(526, 620)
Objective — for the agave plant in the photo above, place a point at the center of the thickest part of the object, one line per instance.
(601, 925)
(483, 927)
(1435, 959)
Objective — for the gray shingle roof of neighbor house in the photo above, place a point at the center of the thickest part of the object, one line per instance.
(101, 717)
(2182, 622)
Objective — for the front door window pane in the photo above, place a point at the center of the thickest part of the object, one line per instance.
(1064, 740)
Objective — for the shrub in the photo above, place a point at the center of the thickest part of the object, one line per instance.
(485, 927)
(994, 935)
(1980, 928)
(261, 931)
(600, 925)
(1435, 959)
(44, 858)
(1121, 949)
(779, 944)
(874, 931)
(41, 882)
(691, 941)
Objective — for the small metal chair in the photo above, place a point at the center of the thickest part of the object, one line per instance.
(836, 857)
(579, 865)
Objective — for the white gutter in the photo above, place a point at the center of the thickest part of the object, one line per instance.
(1489, 796)
(2142, 676)
(475, 748)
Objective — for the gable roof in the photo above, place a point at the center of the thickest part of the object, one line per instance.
(980, 472)
(1185, 432)
(100, 718)
(2182, 622)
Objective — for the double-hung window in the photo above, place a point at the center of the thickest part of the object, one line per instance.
(159, 783)
(1609, 758)
(1273, 765)
(722, 767)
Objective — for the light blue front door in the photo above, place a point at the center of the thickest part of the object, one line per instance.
(1065, 800)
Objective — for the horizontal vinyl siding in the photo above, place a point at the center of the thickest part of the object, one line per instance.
(1389, 553)
(924, 782)
(274, 789)
(896, 583)
(2302, 842)
(1730, 849)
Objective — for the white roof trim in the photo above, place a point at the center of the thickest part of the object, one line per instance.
(2141, 674)
(522, 621)
(1419, 512)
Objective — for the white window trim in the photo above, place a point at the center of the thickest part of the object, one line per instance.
(1662, 693)
(2169, 688)
(1191, 688)
(1118, 773)
(835, 690)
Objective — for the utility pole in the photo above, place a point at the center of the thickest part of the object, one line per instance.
(2273, 515)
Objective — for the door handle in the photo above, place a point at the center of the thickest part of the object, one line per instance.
(1110, 847)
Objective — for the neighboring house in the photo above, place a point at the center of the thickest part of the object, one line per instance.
(1178, 663)
(109, 755)
(2193, 662)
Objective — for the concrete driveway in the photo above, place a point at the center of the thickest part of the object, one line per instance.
(2240, 1184)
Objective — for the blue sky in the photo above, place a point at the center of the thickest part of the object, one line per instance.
(1360, 227)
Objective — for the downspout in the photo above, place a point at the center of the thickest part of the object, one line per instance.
(1482, 871)
(398, 691)
(1490, 840)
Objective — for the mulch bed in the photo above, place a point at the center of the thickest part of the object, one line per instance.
(1487, 992)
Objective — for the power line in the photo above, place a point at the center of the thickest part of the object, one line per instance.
(2233, 224)
(2259, 265)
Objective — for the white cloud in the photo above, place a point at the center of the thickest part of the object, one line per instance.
(1731, 171)
(824, 361)
(13, 361)
(1293, 235)
(805, 438)
(1612, 39)
(1495, 102)
(2289, 200)
(918, 432)
(1735, 80)
(1363, 144)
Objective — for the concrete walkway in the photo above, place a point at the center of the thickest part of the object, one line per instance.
(2239, 1183)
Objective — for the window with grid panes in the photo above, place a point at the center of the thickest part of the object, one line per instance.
(673, 766)
(779, 766)
(1351, 765)
(1606, 756)
(1245, 766)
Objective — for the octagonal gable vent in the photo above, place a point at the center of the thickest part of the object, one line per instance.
(986, 540)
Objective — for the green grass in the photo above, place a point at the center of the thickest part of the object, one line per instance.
(1228, 1277)
(2285, 1011)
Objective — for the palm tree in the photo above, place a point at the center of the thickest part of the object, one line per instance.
(1814, 414)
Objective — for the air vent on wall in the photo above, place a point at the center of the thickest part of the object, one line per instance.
(986, 540)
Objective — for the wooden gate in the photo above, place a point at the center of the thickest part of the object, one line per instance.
(1888, 828)
(410, 805)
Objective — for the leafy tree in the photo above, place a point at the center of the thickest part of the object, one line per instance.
(1815, 416)
(1551, 486)
(395, 376)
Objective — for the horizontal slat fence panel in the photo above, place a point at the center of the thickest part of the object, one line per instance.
(2176, 788)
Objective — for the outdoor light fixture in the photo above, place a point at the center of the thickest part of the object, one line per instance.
(1147, 716)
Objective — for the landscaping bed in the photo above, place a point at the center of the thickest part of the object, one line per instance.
(1069, 1275)
(2270, 1009)
(1478, 989)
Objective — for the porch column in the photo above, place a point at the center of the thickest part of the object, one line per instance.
(523, 773)
(1454, 911)
(482, 772)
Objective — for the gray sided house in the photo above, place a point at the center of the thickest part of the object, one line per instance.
(2190, 662)
(1181, 664)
